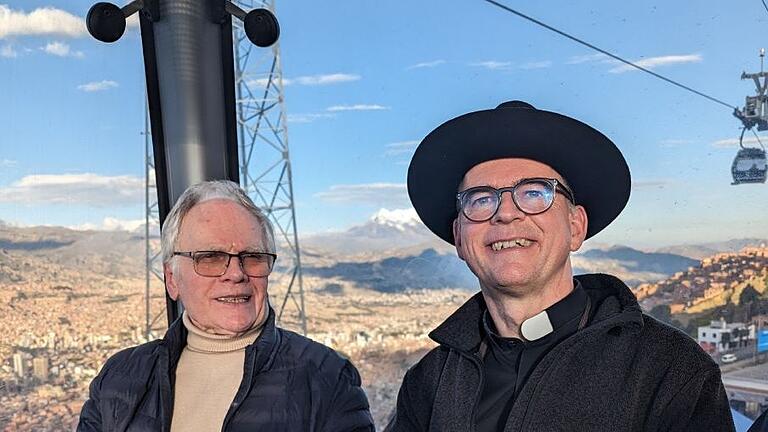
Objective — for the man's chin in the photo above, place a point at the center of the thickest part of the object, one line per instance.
(233, 325)
(231, 329)
(511, 284)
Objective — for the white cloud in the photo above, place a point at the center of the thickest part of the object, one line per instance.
(315, 80)
(41, 21)
(648, 63)
(307, 80)
(492, 64)
(673, 142)
(308, 118)
(358, 107)
(380, 194)
(402, 147)
(536, 64)
(651, 184)
(87, 189)
(263, 82)
(97, 86)
(734, 142)
(589, 58)
(61, 49)
(653, 62)
(8, 163)
(429, 64)
(7, 51)
(114, 224)
(506, 65)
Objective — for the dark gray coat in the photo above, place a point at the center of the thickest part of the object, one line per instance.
(290, 383)
(625, 371)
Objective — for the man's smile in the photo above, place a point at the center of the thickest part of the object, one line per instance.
(509, 243)
(513, 243)
(235, 298)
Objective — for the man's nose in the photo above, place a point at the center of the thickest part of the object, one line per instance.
(234, 269)
(508, 210)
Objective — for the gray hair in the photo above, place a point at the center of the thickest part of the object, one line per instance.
(206, 191)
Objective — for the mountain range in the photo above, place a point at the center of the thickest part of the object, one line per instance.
(391, 252)
(703, 250)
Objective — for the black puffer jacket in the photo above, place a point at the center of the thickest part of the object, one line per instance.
(624, 372)
(290, 384)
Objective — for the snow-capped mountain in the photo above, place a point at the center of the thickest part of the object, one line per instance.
(385, 231)
(399, 219)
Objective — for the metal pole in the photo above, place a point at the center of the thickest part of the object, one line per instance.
(147, 251)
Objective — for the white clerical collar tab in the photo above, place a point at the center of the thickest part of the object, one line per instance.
(536, 327)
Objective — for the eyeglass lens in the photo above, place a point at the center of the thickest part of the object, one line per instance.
(531, 197)
(216, 263)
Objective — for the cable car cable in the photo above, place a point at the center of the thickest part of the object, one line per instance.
(765, 5)
(613, 56)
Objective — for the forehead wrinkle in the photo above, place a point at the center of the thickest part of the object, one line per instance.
(205, 218)
(219, 248)
(252, 249)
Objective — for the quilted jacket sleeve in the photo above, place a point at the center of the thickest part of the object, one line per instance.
(90, 415)
(349, 410)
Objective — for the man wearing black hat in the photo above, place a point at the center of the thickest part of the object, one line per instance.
(539, 349)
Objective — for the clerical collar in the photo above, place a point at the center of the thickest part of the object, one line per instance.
(574, 306)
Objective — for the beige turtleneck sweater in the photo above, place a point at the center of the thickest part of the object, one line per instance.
(207, 377)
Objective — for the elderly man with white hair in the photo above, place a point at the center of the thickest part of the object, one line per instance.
(224, 365)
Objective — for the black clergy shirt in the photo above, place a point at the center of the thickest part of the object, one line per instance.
(509, 361)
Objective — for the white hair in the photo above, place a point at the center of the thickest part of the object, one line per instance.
(206, 191)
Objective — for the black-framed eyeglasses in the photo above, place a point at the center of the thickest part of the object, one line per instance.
(215, 263)
(532, 196)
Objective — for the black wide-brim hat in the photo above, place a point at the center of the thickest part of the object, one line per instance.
(589, 162)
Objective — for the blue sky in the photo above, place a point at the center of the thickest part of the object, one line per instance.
(367, 80)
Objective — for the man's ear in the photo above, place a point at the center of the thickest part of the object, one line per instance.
(579, 223)
(170, 281)
(457, 237)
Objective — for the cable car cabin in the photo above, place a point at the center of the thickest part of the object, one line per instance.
(749, 166)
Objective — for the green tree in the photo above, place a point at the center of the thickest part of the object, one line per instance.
(749, 295)
(662, 313)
